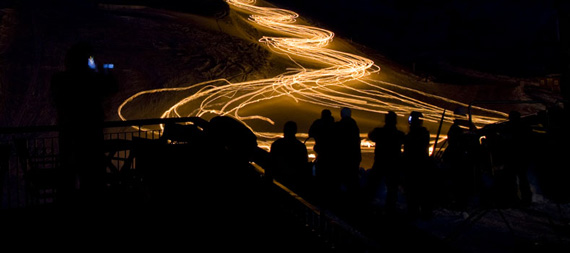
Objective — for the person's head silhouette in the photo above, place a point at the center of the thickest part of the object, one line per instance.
(390, 118)
(80, 57)
(345, 112)
(290, 129)
(326, 113)
(415, 118)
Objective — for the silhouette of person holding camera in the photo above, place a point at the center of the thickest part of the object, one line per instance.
(78, 94)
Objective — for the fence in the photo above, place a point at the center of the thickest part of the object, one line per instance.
(30, 161)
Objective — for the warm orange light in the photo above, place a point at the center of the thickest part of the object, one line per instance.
(317, 86)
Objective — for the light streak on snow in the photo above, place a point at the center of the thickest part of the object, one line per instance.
(343, 80)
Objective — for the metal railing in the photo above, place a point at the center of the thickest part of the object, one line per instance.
(22, 150)
(332, 230)
(26, 148)
(30, 158)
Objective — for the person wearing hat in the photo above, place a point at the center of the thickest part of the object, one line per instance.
(418, 171)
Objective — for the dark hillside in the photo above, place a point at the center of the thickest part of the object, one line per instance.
(150, 48)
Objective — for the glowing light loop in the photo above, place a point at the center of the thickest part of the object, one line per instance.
(344, 80)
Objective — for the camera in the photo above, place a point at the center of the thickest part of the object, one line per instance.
(91, 63)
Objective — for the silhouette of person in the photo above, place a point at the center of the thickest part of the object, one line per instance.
(460, 157)
(347, 153)
(418, 168)
(321, 130)
(232, 146)
(289, 159)
(387, 159)
(233, 140)
(78, 94)
(517, 134)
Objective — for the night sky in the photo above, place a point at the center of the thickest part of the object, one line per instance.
(502, 37)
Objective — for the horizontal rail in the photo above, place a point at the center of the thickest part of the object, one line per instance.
(331, 228)
(497, 102)
(106, 124)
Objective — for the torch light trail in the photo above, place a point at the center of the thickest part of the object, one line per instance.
(343, 80)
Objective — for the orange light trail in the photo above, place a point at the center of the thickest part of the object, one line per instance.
(344, 80)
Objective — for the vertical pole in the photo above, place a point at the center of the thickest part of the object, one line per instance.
(563, 23)
(438, 132)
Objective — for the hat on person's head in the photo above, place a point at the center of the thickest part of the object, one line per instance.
(416, 115)
(345, 112)
(390, 118)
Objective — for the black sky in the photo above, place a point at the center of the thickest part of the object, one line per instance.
(498, 36)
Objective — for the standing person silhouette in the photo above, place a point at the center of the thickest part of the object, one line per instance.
(78, 94)
(387, 159)
(517, 135)
(418, 168)
(460, 158)
(347, 153)
(289, 159)
(321, 130)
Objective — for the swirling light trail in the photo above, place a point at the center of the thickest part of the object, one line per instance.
(344, 80)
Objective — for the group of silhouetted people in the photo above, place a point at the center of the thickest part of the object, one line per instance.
(402, 163)
(338, 155)
(335, 177)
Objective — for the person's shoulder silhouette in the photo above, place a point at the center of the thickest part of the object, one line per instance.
(388, 138)
(321, 124)
(321, 130)
(347, 129)
(232, 136)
